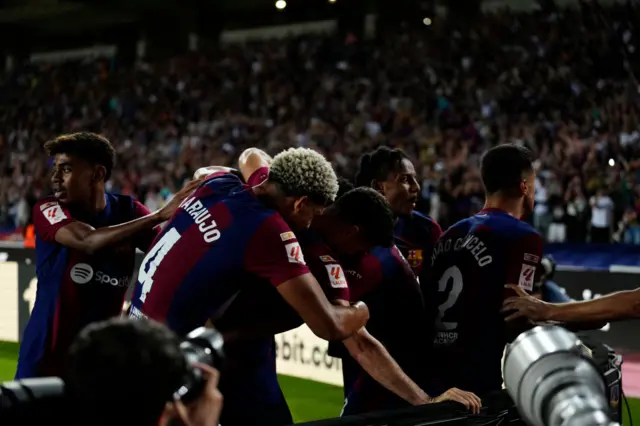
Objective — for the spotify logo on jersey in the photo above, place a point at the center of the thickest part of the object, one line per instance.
(81, 273)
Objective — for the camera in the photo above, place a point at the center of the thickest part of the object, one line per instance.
(21, 400)
(204, 346)
(553, 381)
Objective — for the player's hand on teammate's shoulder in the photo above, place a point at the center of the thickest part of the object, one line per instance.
(525, 306)
(468, 399)
(170, 208)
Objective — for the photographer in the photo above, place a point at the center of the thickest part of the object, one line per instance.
(128, 372)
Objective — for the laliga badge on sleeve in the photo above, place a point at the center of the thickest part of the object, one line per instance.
(527, 274)
(54, 214)
(294, 253)
(336, 276)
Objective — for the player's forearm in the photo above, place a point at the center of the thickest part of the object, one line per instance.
(374, 358)
(618, 306)
(341, 323)
(89, 240)
(347, 320)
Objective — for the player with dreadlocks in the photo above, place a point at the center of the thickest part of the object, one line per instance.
(391, 172)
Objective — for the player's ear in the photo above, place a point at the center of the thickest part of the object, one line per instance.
(299, 203)
(99, 173)
(524, 188)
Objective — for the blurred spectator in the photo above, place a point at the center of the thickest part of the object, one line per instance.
(601, 217)
(559, 82)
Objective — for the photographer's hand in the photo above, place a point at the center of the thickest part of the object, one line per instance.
(204, 411)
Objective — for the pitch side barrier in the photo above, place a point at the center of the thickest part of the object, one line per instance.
(499, 410)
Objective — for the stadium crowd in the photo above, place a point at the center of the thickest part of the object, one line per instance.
(561, 83)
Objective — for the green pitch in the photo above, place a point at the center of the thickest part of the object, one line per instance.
(307, 400)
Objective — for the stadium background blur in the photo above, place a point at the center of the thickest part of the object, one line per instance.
(177, 85)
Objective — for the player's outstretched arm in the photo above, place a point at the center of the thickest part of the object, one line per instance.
(327, 321)
(619, 306)
(83, 237)
(374, 358)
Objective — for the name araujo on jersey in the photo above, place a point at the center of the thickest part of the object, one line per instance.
(199, 213)
(469, 242)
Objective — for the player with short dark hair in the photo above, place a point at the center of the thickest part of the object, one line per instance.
(347, 230)
(85, 249)
(472, 262)
(104, 358)
(228, 236)
(390, 171)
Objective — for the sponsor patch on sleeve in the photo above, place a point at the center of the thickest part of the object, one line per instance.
(527, 274)
(326, 258)
(336, 276)
(294, 253)
(54, 214)
(528, 257)
(286, 236)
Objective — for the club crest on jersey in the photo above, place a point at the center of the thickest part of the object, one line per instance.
(294, 253)
(336, 276)
(414, 258)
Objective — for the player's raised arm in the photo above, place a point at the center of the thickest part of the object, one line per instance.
(252, 160)
(53, 222)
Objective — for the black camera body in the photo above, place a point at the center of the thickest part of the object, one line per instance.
(201, 346)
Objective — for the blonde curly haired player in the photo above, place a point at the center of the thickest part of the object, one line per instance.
(300, 179)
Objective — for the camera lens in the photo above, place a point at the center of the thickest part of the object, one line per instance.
(201, 346)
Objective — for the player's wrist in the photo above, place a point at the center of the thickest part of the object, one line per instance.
(420, 398)
(552, 312)
(157, 217)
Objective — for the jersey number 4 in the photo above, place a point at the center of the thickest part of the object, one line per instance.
(153, 259)
(453, 275)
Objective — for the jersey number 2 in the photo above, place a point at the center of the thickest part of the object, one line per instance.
(454, 275)
(153, 258)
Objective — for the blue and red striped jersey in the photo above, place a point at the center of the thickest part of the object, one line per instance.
(415, 236)
(75, 288)
(472, 262)
(218, 242)
(386, 283)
